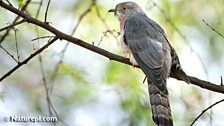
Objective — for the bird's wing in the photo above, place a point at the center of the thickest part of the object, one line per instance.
(146, 46)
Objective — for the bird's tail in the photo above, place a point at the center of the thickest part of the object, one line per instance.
(160, 106)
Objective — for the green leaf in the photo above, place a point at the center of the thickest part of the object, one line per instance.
(21, 2)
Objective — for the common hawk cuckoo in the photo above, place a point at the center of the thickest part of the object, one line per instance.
(146, 44)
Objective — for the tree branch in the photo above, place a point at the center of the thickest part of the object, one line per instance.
(12, 25)
(213, 29)
(17, 18)
(205, 111)
(28, 59)
(46, 12)
(174, 73)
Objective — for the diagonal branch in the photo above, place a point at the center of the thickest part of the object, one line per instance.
(213, 29)
(28, 59)
(174, 73)
(205, 111)
(12, 25)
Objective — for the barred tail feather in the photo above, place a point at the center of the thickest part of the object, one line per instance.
(160, 106)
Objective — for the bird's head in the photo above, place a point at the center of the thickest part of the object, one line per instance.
(126, 9)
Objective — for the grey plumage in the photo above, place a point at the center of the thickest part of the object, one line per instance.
(146, 41)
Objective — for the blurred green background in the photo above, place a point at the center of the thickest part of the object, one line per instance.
(90, 90)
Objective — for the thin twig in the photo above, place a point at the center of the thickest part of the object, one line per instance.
(45, 84)
(12, 25)
(17, 49)
(45, 17)
(9, 53)
(50, 106)
(9, 3)
(43, 37)
(38, 10)
(213, 29)
(206, 110)
(36, 16)
(105, 35)
(221, 81)
(211, 111)
(80, 18)
(28, 59)
(15, 20)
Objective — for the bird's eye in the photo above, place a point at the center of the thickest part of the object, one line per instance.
(124, 8)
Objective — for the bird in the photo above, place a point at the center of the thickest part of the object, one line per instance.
(145, 43)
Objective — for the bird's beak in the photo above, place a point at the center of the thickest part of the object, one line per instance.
(111, 10)
(114, 11)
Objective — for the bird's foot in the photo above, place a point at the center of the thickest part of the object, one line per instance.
(134, 66)
(133, 61)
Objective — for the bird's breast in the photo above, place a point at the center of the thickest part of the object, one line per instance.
(122, 20)
(126, 50)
